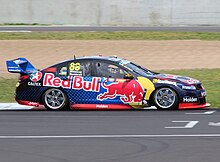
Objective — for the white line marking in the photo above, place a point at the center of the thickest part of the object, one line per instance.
(204, 113)
(150, 108)
(14, 106)
(214, 124)
(15, 31)
(111, 136)
(190, 124)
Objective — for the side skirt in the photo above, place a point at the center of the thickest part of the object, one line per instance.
(100, 107)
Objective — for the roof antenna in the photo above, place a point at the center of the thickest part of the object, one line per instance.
(74, 57)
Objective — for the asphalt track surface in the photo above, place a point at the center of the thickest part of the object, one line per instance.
(106, 136)
(107, 28)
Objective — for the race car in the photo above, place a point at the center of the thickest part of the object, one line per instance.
(106, 83)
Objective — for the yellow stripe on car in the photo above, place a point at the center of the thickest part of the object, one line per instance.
(148, 85)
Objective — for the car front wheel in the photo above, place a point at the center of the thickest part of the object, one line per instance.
(165, 98)
(54, 99)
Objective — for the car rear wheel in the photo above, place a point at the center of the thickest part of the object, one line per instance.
(54, 99)
(165, 98)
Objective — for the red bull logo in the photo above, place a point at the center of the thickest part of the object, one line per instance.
(76, 82)
(129, 91)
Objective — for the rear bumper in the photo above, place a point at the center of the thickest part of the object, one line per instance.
(35, 105)
(28, 103)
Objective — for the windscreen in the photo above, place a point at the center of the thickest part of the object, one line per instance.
(137, 69)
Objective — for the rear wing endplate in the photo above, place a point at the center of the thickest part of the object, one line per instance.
(20, 65)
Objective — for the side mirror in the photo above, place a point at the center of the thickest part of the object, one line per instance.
(128, 76)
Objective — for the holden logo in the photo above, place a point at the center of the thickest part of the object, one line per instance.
(36, 76)
(189, 99)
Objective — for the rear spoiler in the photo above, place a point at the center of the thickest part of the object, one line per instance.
(20, 65)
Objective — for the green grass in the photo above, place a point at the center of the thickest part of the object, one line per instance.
(133, 35)
(209, 77)
(7, 88)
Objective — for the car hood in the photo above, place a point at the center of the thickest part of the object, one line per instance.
(177, 78)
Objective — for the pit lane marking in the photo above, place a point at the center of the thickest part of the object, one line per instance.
(190, 124)
(203, 113)
(111, 136)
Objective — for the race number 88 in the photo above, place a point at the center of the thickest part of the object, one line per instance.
(74, 66)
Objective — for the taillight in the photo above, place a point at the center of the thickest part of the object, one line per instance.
(23, 77)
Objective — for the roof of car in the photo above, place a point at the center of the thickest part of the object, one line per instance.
(107, 58)
(110, 58)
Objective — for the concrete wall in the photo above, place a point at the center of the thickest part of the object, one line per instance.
(111, 12)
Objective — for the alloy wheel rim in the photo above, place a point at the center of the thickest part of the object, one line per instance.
(54, 99)
(165, 98)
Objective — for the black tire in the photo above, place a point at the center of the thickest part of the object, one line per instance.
(55, 99)
(165, 99)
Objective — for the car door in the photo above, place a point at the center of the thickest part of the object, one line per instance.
(84, 86)
(114, 89)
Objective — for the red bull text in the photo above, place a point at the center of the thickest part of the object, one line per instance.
(75, 82)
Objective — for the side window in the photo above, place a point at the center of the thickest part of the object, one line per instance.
(62, 69)
(79, 68)
(109, 70)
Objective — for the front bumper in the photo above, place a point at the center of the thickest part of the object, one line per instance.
(193, 105)
(193, 100)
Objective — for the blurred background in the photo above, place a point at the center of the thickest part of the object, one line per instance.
(113, 12)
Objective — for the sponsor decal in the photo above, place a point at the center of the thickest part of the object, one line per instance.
(79, 83)
(203, 94)
(52, 81)
(120, 80)
(29, 103)
(191, 81)
(170, 76)
(36, 76)
(130, 91)
(34, 84)
(76, 73)
(63, 71)
(111, 79)
(101, 106)
(189, 87)
(189, 99)
(75, 82)
(14, 69)
(33, 104)
(124, 62)
(181, 78)
(163, 81)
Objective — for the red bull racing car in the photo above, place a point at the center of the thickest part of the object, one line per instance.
(103, 83)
